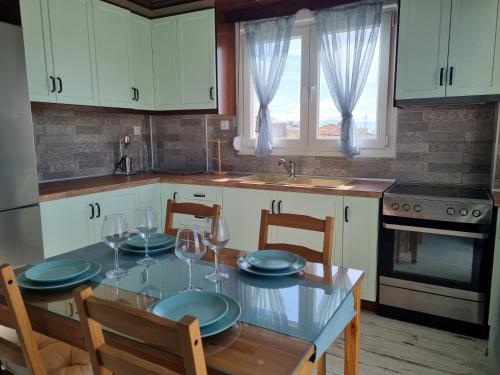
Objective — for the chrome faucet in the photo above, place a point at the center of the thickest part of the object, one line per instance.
(289, 165)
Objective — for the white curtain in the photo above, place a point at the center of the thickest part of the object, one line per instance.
(347, 36)
(268, 42)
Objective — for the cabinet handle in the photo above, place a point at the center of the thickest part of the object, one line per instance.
(98, 210)
(346, 214)
(134, 96)
(272, 206)
(441, 76)
(211, 92)
(175, 196)
(451, 76)
(199, 195)
(199, 217)
(91, 211)
(53, 81)
(279, 206)
(60, 85)
(138, 96)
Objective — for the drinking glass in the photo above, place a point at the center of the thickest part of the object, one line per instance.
(114, 233)
(190, 248)
(216, 237)
(146, 225)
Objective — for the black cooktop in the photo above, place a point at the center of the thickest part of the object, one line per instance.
(439, 191)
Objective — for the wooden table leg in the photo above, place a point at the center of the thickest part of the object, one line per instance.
(321, 365)
(352, 337)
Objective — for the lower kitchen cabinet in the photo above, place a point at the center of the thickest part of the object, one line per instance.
(71, 223)
(150, 196)
(360, 240)
(66, 224)
(242, 209)
(167, 191)
(318, 206)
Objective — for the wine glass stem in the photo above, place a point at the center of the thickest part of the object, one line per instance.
(146, 246)
(116, 258)
(216, 265)
(190, 286)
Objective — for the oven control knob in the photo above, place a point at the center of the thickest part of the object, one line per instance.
(476, 213)
(451, 211)
(406, 207)
(395, 206)
(417, 208)
(463, 212)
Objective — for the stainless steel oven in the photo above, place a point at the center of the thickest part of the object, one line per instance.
(436, 251)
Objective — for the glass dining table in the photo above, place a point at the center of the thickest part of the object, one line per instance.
(285, 325)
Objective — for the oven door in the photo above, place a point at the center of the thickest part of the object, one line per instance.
(444, 254)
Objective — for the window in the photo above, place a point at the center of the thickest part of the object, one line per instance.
(304, 118)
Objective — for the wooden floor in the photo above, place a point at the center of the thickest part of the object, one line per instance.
(393, 347)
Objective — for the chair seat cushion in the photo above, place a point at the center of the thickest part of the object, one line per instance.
(59, 358)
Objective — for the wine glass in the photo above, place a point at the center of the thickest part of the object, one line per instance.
(114, 233)
(216, 237)
(146, 225)
(189, 247)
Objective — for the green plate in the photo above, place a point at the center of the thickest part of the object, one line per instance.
(272, 260)
(156, 240)
(57, 270)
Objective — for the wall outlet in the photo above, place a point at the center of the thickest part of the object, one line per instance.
(224, 125)
(137, 130)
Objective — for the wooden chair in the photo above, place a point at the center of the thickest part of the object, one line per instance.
(39, 354)
(194, 209)
(180, 338)
(298, 222)
(305, 223)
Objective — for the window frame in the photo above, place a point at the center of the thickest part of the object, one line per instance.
(308, 144)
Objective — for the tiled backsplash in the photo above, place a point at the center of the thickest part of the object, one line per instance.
(440, 144)
(79, 143)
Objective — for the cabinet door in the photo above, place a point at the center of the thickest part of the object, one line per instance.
(422, 48)
(37, 49)
(142, 62)
(196, 45)
(120, 201)
(168, 191)
(65, 225)
(150, 196)
(315, 205)
(241, 208)
(166, 73)
(471, 58)
(73, 51)
(360, 241)
(112, 35)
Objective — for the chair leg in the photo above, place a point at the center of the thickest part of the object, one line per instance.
(321, 365)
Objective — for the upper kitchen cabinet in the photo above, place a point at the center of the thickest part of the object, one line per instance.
(423, 48)
(142, 63)
(184, 61)
(473, 46)
(196, 51)
(112, 35)
(447, 48)
(59, 44)
(165, 62)
(38, 52)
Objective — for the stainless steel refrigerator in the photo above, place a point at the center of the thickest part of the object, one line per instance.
(20, 223)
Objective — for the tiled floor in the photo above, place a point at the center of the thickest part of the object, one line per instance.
(392, 347)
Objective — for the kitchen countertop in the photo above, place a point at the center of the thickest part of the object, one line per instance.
(69, 188)
(496, 197)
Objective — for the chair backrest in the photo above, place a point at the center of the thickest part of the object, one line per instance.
(181, 338)
(298, 222)
(27, 353)
(194, 209)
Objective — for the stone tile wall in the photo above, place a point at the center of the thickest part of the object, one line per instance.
(440, 144)
(81, 143)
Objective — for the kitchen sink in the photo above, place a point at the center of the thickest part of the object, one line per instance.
(303, 181)
(315, 181)
(263, 178)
